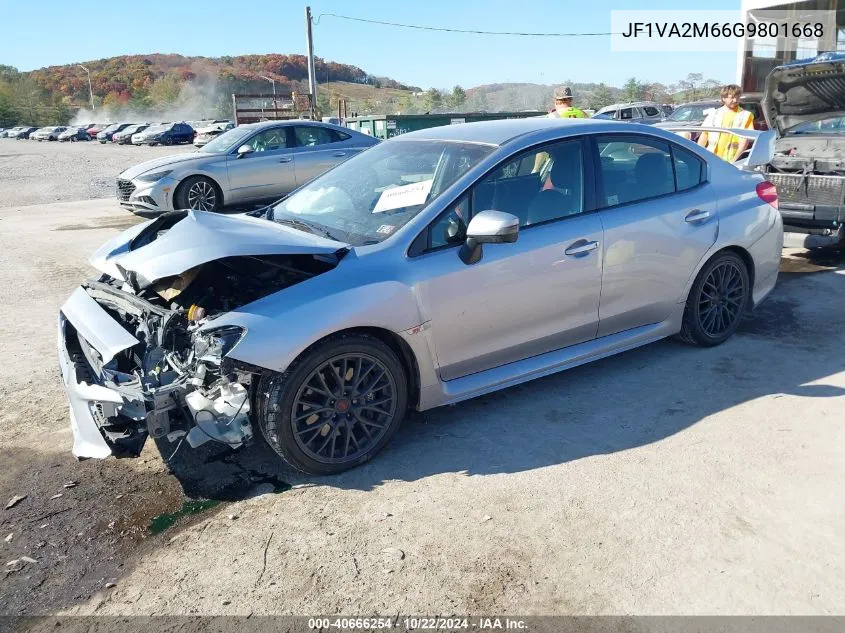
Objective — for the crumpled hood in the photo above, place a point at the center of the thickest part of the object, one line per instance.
(200, 237)
(807, 91)
(164, 161)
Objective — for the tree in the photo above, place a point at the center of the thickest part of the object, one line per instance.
(656, 92)
(691, 85)
(432, 99)
(601, 97)
(632, 89)
(165, 90)
(8, 115)
(323, 103)
(405, 105)
(61, 112)
(711, 88)
(458, 97)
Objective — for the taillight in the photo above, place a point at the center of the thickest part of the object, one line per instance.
(768, 193)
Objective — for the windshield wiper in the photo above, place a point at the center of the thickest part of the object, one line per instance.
(308, 227)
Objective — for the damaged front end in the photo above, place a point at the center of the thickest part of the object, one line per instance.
(141, 358)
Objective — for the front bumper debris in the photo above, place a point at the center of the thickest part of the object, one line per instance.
(153, 197)
(122, 389)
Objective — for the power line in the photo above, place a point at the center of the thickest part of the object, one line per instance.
(448, 30)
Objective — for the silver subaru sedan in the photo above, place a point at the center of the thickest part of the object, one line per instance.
(437, 266)
(253, 163)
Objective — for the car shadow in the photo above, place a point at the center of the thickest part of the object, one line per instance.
(788, 346)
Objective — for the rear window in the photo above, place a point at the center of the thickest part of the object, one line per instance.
(689, 169)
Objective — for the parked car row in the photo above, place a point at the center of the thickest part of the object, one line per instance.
(691, 114)
(124, 133)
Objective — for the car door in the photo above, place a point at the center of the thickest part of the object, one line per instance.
(268, 171)
(660, 218)
(318, 149)
(536, 295)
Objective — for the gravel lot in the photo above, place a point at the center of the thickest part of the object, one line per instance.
(667, 480)
(33, 172)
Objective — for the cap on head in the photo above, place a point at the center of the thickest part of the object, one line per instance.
(563, 92)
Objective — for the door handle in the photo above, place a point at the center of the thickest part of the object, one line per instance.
(581, 247)
(696, 215)
(285, 159)
(339, 154)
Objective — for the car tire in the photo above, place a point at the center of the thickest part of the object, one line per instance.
(363, 409)
(198, 193)
(716, 302)
(168, 140)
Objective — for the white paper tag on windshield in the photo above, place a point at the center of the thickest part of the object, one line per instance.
(404, 196)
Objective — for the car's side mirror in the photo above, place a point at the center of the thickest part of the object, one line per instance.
(245, 150)
(488, 227)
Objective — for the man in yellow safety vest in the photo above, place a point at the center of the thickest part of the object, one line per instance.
(727, 146)
(563, 110)
(563, 105)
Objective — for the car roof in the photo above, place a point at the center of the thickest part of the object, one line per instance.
(749, 96)
(285, 122)
(629, 104)
(500, 131)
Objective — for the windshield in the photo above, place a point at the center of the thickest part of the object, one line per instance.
(831, 125)
(229, 139)
(367, 198)
(157, 128)
(112, 127)
(691, 112)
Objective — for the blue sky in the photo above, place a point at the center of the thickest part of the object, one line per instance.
(213, 28)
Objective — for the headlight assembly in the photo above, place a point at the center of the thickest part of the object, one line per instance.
(155, 176)
(213, 345)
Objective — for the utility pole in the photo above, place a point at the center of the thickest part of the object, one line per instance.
(272, 81)
(90, 91)
(312, 77)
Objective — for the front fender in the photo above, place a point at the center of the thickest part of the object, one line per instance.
(218, 173)
(280, 327)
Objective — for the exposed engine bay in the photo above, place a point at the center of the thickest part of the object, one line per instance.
(176, 382)
(809, 173)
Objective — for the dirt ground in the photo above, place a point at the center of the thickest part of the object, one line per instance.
(38, 172)
(666, 480)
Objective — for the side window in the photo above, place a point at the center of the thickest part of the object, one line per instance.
(689, 169)
(651, 111)
(634, 168)
(626, 114)
(537, 186)
(269, 140)
(450, 227)
(339, 136)
(308, 136)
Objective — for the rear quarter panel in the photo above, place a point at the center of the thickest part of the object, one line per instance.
(745, 221)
